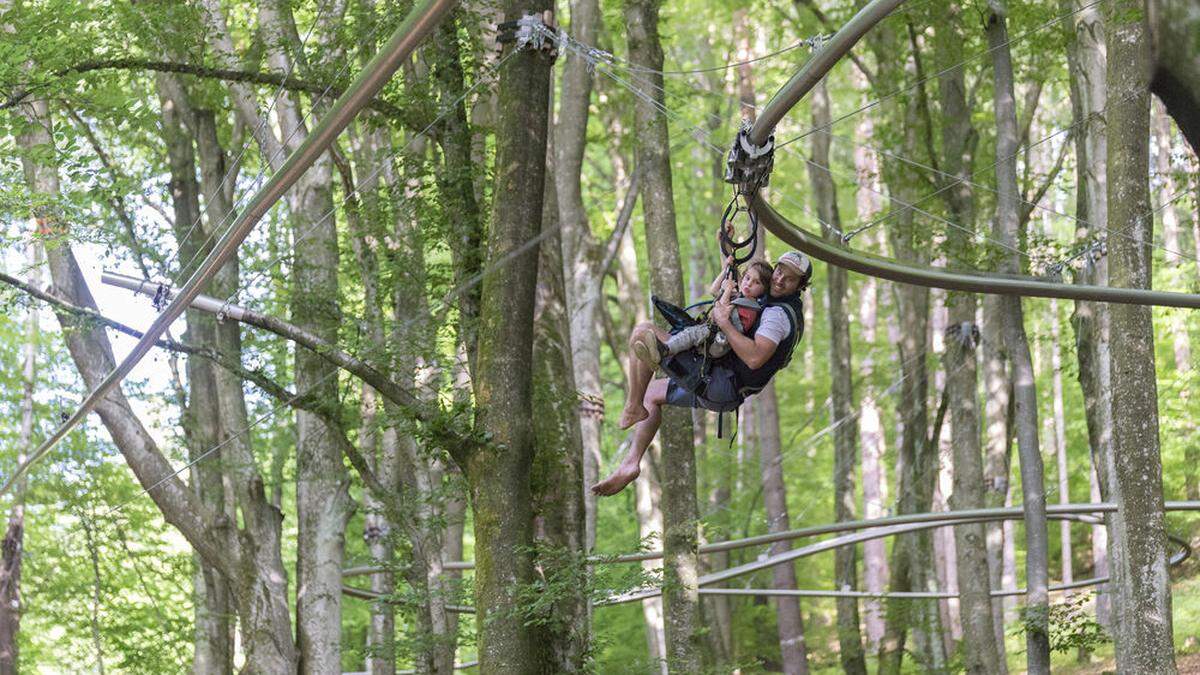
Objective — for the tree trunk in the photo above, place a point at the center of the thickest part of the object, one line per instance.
(1016, 343)
(982, 652)
(648, 488)
(323, 505)
(558, 464)
(789, 620)
(581, 256)
(1060, 443)
(680, 516)
(14, 534)
(1087, 67)
(916, 459)
(870, 425)
(499, 473)
(1183, 272)
(845, 436)
(201, 415)
(1143, 627)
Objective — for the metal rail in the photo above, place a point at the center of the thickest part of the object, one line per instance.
(951, 518)
(419, 23)
(1052, 510)
(996, 284)
(815, 68)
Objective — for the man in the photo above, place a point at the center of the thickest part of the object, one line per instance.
(756, 356)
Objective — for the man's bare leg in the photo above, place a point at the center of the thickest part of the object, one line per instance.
(640, 374)
(643, 434)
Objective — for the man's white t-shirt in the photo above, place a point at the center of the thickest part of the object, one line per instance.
(774, 325)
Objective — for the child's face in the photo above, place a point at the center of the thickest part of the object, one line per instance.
(752, 285)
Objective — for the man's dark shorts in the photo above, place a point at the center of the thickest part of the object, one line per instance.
(687, 390)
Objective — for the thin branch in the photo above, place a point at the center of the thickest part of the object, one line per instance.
(226, 74)
(923, 102)
(115, 201)
(388, 388)
(1029, 203)
(624, 215)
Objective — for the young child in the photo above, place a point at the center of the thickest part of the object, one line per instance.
(754, 284)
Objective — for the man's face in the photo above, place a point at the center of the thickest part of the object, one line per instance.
(784, 281)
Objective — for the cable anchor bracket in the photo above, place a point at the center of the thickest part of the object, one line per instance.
(531, 33)
(748, 165)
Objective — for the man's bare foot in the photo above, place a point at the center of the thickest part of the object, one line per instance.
(631, 416)
(624, 474)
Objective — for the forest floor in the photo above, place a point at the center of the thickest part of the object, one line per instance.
(1185, 600)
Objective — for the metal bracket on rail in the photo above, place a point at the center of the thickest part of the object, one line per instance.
(532, 32)
(749, 165)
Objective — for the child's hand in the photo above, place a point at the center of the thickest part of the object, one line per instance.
(728, 288)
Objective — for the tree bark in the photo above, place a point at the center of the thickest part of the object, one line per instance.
(581, 254)
(680, 514)
(1143, 634)
(559, 518)
(648, 487)
(250, 555)
(1173, 25)
(201, 414)
(870, 425)
(1086, 61)
(498, 474)
(845, 436)
(1016, 343)
(1067, 574)
(916, 457)
(789, 621)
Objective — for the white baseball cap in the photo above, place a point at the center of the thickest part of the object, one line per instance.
(797, 262)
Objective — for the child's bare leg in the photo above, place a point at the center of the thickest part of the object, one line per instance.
(643, 434)
(640, 374)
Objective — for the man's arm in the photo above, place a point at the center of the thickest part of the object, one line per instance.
(754, 352)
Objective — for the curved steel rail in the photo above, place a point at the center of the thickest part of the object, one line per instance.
(815, 68)
(856, 538)
(1052, 510)
(996, 284)
(796, 88)
(419, 23)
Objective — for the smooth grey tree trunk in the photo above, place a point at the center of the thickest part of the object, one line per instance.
(498, 473)
(323, 504)
(1067, 574)
(789, 620)
(870, 425)
(845, 436)
(982, 653)
(1086, 58)
(1016, 343)
(680, 514)
(247, 556)
(201, 413)
(582, 254)
(559, 513)
(648, 487)
(1143, 607)
(916, 456)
